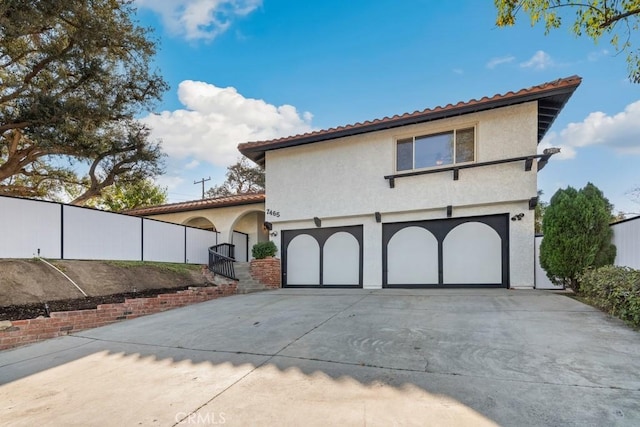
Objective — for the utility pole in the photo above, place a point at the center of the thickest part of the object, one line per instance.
(203, 180)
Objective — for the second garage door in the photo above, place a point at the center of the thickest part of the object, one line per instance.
(452, 252)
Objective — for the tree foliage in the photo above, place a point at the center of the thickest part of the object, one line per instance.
(242, 177)
(73, 76)
(618, 20)
(577, 234)
(539, 213)
(121, 197)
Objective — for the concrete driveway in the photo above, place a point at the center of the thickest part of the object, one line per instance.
(337, 357)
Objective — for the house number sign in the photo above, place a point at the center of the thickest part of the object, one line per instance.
(273, 213)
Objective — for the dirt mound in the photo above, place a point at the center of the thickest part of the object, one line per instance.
(32, 282)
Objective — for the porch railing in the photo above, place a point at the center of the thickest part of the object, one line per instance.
(221, 259)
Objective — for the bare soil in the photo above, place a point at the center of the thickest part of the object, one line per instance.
(31, 288)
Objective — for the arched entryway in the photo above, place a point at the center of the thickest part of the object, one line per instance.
(245, 231)
(200, 222)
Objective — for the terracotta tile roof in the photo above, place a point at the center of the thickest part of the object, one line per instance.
(552, 96)
(218, 202)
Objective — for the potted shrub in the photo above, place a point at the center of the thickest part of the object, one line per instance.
(264, 250)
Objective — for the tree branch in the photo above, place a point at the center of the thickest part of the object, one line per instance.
(616, 18)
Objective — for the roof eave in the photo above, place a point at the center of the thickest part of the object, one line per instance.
(159, 210)
(257, 152)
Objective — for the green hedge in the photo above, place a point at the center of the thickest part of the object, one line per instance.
(264, 249)
(615, 290)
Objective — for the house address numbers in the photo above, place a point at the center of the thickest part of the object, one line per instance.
(273, 213)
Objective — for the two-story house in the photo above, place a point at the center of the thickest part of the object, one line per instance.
(437, 198)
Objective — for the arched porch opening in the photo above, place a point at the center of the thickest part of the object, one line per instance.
(200, 222)
(247, 230)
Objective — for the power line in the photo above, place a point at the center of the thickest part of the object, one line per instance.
(203, 180)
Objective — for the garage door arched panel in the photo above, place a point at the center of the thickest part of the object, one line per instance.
(412, 257)
(341, 260)
(317, 257)
(472, 254)
(303, 254)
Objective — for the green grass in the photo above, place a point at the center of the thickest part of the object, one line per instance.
(169, 266)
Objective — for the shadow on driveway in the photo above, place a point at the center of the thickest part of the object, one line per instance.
(348, 357)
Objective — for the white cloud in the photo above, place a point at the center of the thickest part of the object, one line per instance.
(620, 132)
(595, 56)
(192, 164)
(494, 62)
(458, 71)
(539, 61)
(217, 119)
(199, 19)
(170, 182)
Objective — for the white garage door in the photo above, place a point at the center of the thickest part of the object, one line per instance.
(447, 253)
(322, 257)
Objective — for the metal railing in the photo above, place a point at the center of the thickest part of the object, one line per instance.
(221, 259)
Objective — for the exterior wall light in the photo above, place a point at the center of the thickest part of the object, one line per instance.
(317, 221)
(378, 216)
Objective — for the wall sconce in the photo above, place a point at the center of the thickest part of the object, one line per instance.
(268, 225)
(517, 217)
(273, 234)
(378, 216)
(317, 221)
(533, 202)
(449, 211)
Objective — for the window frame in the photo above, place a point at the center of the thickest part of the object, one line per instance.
(416, 135)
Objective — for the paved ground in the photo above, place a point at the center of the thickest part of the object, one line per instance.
(337, 357)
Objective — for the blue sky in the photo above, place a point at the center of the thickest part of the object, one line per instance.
(246, 70)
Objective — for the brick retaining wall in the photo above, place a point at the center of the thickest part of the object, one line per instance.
(19, 332)
(266, 271)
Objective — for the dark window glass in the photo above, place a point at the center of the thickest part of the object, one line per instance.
(465, 147)
(434, 150)
(405, 154)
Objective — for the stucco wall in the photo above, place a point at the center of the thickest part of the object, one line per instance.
(346, 176)
(342, 182)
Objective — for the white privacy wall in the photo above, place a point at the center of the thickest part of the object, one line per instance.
(94, 234)
(70, 232)
(29, 225)
(542, 281)
(163, 242)
(626, 237)
(198, 244)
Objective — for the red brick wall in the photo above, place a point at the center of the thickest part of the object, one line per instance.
(266, 271)
(19, 332)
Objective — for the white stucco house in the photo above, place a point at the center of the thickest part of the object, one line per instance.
(437, 198)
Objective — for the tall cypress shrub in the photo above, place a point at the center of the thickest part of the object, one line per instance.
(576, 234)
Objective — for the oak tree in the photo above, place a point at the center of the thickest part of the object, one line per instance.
(126, 196)
(73, 76)
(242, 177)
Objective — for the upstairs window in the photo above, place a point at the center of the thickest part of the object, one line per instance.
(439, 149)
